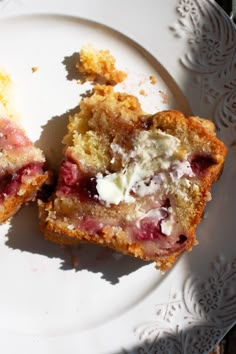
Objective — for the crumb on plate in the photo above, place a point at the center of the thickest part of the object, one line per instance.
(99, 64)
(143, 92)
(34, 69)
(152, 79)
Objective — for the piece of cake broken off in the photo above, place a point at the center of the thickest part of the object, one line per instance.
(99, 65)
(134, 182)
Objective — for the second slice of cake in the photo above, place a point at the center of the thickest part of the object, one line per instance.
(21, 163)
(134, 182)
(21, 168)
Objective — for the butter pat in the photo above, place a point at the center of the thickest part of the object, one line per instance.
(115, 187)
(153, 150)
(111, 189)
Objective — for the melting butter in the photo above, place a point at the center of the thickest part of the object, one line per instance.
(153, 150)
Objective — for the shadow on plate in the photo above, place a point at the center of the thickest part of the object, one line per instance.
(73, 73)
(173, 343)
(24, 235)
(70, 65)
(50, 140)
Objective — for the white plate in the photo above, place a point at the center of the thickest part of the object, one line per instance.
(111, 303)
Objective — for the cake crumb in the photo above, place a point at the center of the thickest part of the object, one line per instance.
(143, 92)
(164, 97)
(99, 65)
(152, 79)
(34, 69)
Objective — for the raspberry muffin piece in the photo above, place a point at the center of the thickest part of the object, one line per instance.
(134, 182)
(21, 168)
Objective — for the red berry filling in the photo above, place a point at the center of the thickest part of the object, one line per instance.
(73, 182)
(200, 163)
(10, 183)
(11, 136)
(4, 182)
(90, 225)
(149, 230)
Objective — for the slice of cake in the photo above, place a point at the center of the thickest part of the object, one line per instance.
(21, 164)
(21, 168)
(99, 65)
(134, 182)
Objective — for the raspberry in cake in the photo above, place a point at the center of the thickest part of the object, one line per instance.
(99, 65)
(134, 182)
